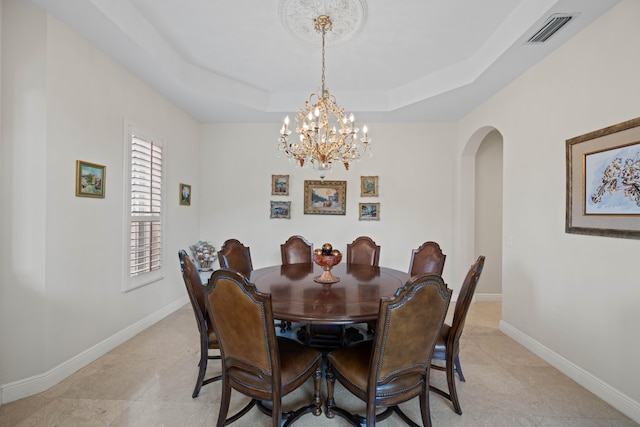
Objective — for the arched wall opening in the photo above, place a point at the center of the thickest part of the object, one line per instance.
(488, 215)
(471, 197)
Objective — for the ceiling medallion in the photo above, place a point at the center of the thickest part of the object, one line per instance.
(348, 17)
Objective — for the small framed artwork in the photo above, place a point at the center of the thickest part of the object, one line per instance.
(368, 186)
(281, 210)
(603, 182)
(185, 194)
(90, 179)
(369, 212)
(279, 185)
(325, 197)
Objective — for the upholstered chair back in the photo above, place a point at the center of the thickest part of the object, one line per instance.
(428, 258)
(296, 250)
(363, 250)
(235, 256)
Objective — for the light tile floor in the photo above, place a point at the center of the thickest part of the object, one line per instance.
(148, 381)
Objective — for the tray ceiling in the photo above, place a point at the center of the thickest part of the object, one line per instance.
(249, 61)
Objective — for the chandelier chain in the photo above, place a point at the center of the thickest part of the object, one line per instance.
(322, 24)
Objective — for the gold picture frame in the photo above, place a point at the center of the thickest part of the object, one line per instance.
(279, 185)
(368, 186)
(325, 197)
(603, 173)
(280, 209)
(185, 194)
(369, 212)
(90, 179)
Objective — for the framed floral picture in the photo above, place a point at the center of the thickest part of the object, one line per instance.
(603, 182)
(90, 179)
(279, 185)
(369, 212)
(325, 197)
(368, 186)
(185, 194)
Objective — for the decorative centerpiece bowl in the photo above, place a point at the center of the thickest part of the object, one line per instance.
(326, 258)
(204, 254)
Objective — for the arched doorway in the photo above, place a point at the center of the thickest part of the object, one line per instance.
(488, 215)
(480, 183)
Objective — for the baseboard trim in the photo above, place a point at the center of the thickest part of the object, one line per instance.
(604, 391)
(487, 297)
(39, 383)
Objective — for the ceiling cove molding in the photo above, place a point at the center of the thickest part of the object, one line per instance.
(126, 17)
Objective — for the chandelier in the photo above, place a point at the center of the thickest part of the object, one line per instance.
(326, 134)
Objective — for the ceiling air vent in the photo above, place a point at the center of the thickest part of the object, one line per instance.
(553, 24)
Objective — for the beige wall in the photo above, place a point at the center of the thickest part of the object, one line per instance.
(62, 256)
(411, 160)
(24, 210)
(571, 298)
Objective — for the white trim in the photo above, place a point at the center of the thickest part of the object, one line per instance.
(595, 385)
(130, 283)
(39, 383)
(487, 297)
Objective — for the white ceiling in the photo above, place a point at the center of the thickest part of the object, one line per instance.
(412, 60)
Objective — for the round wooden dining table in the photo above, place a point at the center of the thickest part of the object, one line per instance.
(355, 298)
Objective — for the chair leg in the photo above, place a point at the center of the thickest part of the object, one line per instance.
(284, 326)
(204, 357)
(225, 398)
(371, 414)
(451, 383)
(425, 411)
(332, 409)
(331, 381)
(314, 407)
(317, 377)
(459, 368)
(276, 410)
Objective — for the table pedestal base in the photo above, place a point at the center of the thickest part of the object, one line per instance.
(328, 336)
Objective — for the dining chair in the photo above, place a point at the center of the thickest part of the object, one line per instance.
(428, 258)
(393, 367)
(208, 339)
(296, 250)
(447, 346)
(363, 250)
(257, 363)
(235, 256)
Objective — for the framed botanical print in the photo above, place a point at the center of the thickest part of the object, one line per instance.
(90, 179)
(185, 194)
(369, 186)
(325, 197)
(603, 182)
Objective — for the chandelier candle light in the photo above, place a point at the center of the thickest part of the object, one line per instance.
(327, 135)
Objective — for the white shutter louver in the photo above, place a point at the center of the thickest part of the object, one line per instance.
(146, 207)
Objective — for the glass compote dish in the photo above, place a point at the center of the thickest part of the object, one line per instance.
(326, 258)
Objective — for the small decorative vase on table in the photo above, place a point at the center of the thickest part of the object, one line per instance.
(326, 258)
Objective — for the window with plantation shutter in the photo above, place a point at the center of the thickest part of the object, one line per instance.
(145, 210)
